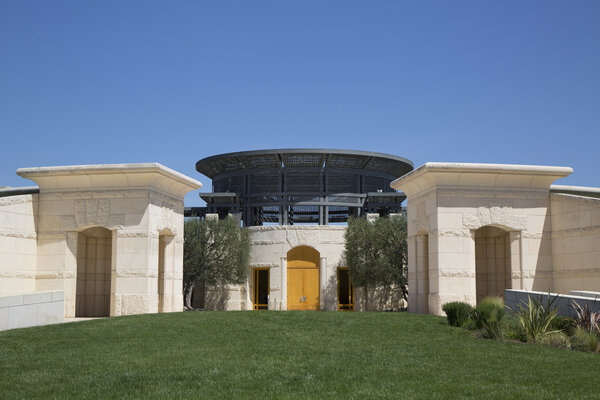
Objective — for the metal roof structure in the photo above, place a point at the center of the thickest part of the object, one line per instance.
(294, 158)
(289, 186)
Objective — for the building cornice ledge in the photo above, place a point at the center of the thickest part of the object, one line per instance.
(109, 177)
(439, 174)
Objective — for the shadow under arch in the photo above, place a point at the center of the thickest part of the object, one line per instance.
(492, 261)
(94, 272)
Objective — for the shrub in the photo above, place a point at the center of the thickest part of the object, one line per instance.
(488, 316)
(586, 318)
(512, 328)
(556, 339)
(563, 324)
(457, 313)
(583, 340)
(536, 318)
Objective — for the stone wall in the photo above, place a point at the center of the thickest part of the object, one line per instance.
(270, 245)
(449, 202)
(18, 243)
(575, 242)
(31, 309)
(563, 302)
(139, 207)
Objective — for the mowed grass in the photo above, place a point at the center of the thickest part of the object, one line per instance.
(283, 355)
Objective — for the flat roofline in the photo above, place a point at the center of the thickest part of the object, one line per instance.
(433, 174)
(100, 169)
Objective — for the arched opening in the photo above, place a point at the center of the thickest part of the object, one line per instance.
(303, 278)
(165, 271)
(492, 262)
(94, 260)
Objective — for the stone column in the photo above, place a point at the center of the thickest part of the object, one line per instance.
(323, 298)
(70, 283)
(283, 283)
(134, 285)
(413, 289)
(422, 272)
(516, 262)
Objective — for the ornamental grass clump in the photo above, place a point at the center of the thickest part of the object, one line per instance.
(535, 317)
(457, 313)
(488, 316)
(557, 339)
(583, 340)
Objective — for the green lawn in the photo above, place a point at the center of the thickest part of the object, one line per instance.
(283, 355)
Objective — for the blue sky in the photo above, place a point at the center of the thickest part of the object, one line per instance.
(173, 82)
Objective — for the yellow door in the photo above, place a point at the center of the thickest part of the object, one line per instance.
(295, 289)
(303, 279)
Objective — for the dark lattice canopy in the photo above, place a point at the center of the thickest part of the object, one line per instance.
(290, 186)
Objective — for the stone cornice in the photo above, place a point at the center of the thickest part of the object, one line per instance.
(111, 176)
(438, 174)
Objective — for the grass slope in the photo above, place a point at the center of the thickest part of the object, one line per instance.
(283, 355)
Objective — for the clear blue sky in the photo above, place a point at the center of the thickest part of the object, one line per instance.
(173, 82)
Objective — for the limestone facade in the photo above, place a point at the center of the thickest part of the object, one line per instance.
(575, 223)
(270, 246)
(477, 229)
(109, 236)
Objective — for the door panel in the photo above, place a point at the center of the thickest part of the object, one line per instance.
(295, 286)
(311, 289)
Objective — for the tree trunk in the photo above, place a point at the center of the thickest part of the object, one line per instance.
(366, 298)
(187, 297)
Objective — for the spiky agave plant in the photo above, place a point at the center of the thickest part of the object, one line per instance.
(536, 318)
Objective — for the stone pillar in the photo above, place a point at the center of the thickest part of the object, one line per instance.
(323, 298)
(413, 288)
(283, 283)
(70, 283)
(134, 284)
(516, 262)
(422, 271)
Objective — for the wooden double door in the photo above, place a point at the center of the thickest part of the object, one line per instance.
(303, 279)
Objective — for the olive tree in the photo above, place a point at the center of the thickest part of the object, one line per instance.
(215, 252)
(376, 254)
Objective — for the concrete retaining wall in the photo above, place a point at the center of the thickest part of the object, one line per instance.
(31, 309)
(514, 298)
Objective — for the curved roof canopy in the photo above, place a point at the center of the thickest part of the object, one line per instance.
(302, 158)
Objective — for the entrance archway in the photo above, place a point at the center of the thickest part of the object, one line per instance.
(303, 278)
(492, 262)
(94, 260)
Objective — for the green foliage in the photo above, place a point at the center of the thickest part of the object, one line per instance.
(584, 340)
(512, 328)
(376, 253)
(215, 252)
(586, 318)
(457, 313)
(488, 316)
(535, 317)
(556, 339)
(563, 324)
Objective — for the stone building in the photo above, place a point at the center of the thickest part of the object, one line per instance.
(106, 240)
(475, 230)
(92, 240)
(295, 203)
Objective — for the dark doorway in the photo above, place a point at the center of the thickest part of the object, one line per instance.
(345, 291)
(261, 289)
